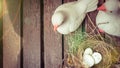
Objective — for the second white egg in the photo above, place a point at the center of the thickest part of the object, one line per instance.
(88, 60)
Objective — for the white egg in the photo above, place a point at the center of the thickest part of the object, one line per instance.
(88, 51)
(88, 60)
(97, 57)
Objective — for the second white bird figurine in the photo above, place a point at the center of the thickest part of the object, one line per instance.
(108, 18)
(68, 17)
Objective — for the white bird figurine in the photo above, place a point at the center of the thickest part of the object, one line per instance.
(68, 17)
(108, 18)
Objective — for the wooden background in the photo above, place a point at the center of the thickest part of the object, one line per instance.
(28, 37)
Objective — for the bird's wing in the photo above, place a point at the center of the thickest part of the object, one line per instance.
(65, 6)
(77, 22)
(92, 6)
(64, 28)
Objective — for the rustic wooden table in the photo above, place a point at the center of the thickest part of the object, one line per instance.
(28, 37)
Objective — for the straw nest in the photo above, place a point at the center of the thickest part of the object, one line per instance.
(109, 53)
(74, 58)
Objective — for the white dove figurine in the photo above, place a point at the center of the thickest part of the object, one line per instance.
(68, 17)
(108, 18)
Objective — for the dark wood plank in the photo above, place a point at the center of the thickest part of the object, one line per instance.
(118, 41)
(52, 40)
(31, 34)
(114, 39)
(11, 34)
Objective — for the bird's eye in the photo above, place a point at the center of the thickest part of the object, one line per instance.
(107, 22)
(110, 11)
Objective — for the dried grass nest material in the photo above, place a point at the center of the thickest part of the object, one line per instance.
(109, 53)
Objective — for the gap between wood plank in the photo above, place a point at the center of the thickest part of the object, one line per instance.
(42, 32)
(21, 34)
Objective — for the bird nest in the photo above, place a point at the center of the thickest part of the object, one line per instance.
(79, 42)
(109, 53)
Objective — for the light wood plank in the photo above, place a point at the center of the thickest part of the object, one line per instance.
(11, 34)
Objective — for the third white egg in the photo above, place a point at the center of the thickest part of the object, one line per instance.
(97, 57)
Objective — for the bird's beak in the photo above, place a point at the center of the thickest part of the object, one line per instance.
(102, 8)
(102, 31)
(55, 27)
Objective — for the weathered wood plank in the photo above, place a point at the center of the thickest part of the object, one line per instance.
(52, 40)
(31, 34)
(115, 39)
(1, 43)
(11, 34)
(1, 34)
(1, 7)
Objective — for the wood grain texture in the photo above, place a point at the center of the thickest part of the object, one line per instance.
(1, 34)
(31, 34)
(115, 39)
(52, 40)
(11, 34)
